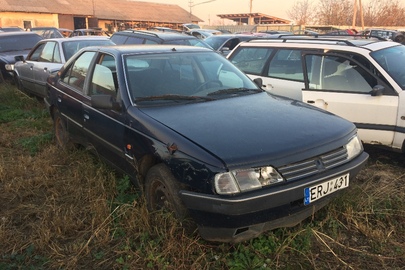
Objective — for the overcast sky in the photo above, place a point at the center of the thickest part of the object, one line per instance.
(208, 11)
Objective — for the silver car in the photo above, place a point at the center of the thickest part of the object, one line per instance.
(47, 57)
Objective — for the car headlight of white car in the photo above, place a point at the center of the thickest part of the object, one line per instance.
(354, 147)
(243, 180)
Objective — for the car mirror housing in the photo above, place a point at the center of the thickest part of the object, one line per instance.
(258, 82)
(377, 90)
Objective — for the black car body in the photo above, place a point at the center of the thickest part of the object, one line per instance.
(14, 46)
(202, 138)
(226, 42)
(156, 37)
(52, 32)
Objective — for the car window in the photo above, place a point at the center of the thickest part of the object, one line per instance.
(119, 39)
(36, 52)
(18, 42)
(251, 60)
(340, 74)
(185, 74)
(104, 78)
(77, 72)
(47, 52)
(286, 64)
(149, 41)
(391, 60)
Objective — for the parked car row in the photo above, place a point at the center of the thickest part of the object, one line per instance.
(191, 128)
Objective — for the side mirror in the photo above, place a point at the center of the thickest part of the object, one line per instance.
(105, 102)
(258, 82)
(377, 90)
(19, 58)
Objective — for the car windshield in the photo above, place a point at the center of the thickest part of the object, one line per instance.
(184, 77)
(391, 60)
(18, 42)
(189, 42)
(70, 47)
(215, 41)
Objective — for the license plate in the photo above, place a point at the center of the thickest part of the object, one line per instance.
(321, 190)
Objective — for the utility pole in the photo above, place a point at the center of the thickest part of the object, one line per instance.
(355, 14)
(250, 13)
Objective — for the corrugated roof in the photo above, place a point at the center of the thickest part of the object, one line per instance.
(104, 9)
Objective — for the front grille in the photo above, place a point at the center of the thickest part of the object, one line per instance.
(314, 165)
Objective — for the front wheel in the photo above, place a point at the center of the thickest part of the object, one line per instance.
(162, 191)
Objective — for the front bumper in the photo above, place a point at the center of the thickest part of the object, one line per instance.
(242, 217)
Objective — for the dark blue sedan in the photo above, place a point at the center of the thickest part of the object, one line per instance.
(203, 139)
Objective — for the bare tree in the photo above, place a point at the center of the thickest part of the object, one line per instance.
(302, 12)
(335, 12)
(384, 13)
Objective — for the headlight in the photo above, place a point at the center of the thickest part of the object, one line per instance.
(354, 147)
(9, 67)
(243, 180)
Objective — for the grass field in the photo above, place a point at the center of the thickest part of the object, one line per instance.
(67, 210)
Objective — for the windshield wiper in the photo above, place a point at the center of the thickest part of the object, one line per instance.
(234, 90)
(173, 97)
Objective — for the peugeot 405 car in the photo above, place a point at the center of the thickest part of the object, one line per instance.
(202, 139)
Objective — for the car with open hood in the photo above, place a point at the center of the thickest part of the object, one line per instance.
(203, 140)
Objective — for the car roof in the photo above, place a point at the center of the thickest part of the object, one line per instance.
(76, 38)
(154, 48)
(17, 33)
(156, 34)
(370, 44)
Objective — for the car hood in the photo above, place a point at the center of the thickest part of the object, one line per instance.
(9, 57)
(259, 129)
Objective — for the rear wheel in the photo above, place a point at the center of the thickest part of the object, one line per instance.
(61, 133)
(162, 191)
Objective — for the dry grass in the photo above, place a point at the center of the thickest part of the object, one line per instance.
(66, 210)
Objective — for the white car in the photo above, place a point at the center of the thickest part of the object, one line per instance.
(362, 80)
(47, 57)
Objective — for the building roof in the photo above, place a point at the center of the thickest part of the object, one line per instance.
(104, 9)
(259, 18)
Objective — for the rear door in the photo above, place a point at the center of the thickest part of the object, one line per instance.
(71, 97)
(343, 86)
(281, 69)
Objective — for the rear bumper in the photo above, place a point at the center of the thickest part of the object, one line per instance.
(239, 218)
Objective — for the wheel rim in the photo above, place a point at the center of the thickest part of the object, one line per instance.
(159, 198)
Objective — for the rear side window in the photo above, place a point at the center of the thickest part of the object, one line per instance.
(251, 60)
(119, 39)
(286, 64)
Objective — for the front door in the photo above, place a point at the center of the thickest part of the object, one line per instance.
(344, 87)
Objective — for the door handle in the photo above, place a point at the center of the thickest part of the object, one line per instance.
(310, 101)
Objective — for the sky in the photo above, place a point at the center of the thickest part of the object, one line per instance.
(208, 11)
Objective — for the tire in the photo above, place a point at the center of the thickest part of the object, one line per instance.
(400, 38)
(62, 136)
(162, 192)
